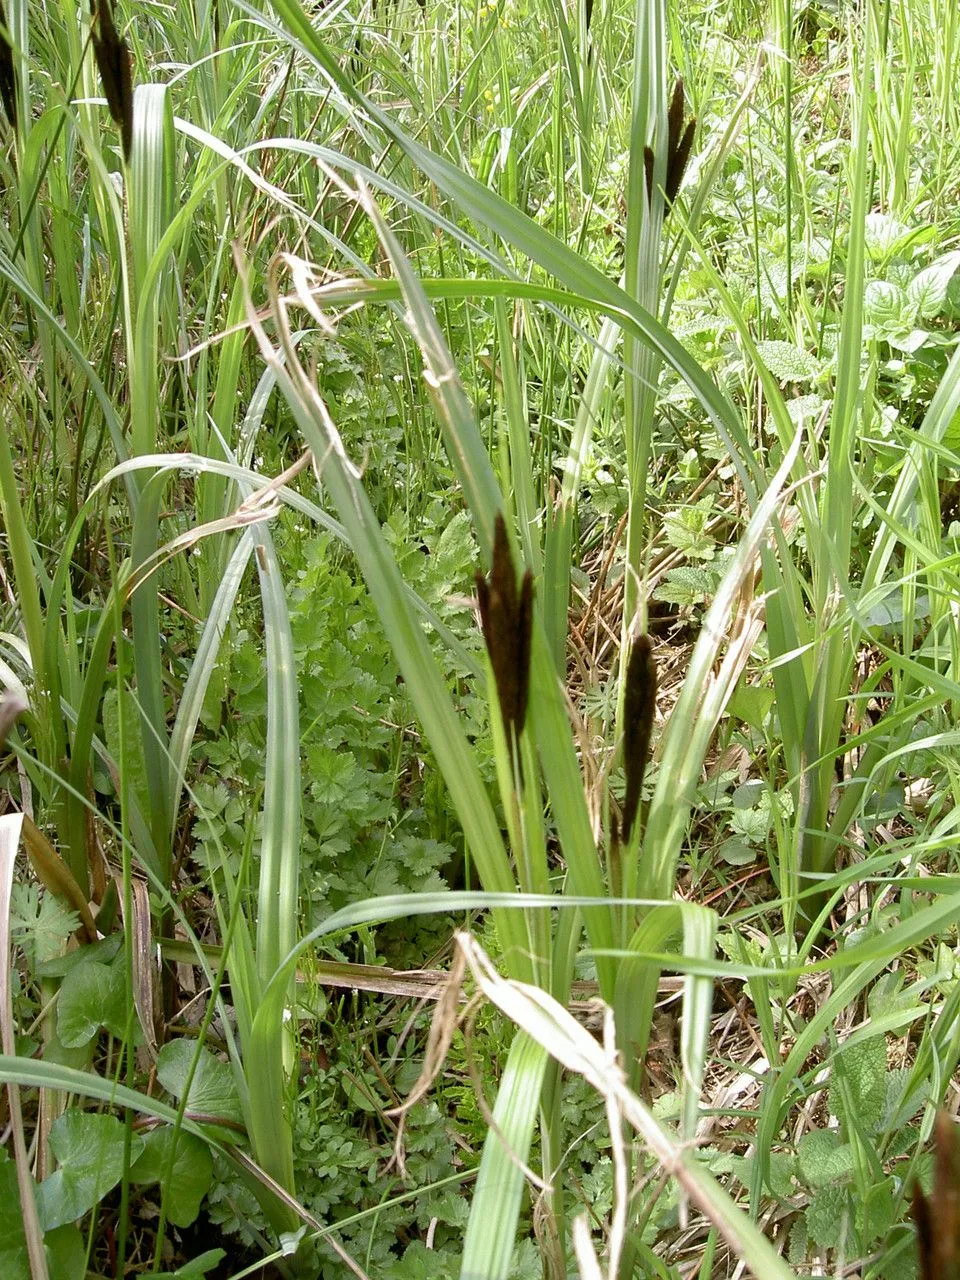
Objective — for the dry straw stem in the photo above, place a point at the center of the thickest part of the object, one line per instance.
(545, 1021)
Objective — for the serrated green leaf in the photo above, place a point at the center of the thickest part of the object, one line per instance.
(189, 1176)
(823, 1158)
(91, 996)
(90, 1150)
(797, 1244)
(781, 1174)
(825, 1215)
(686, 585)
(864, 1064)
(40, 922)
(213, 1090)
(789, 363)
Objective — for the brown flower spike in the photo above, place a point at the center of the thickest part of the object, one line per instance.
(113, 61)
(506, 616)
(938, 1218)
(640, 703)
(679, 142)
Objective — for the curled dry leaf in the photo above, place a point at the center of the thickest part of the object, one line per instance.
(442, 1026)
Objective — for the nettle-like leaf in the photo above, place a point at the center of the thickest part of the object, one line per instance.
(908, 341)
(755, 809)
(92, 996)
(789, 363)
(886, 308)
(90, 1151)
(884, 235)
(806, 408)
(213, 1090)
(451, 564)
(822, 1158)
(686, 585)
(686, 530)
(825, 1215)
(927, 291)
(797, 1243)
(189, 1176)
(864, 1065)
(902, 1104)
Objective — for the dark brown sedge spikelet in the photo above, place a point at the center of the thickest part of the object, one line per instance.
(678, 163)
(938, 1218)
(8, 81)
(113, 63)
(506, 616)
(675, 117)
(648, 170)
(639, 705)
(679, 143)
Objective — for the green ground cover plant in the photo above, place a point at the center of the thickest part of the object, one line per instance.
(479, 639)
